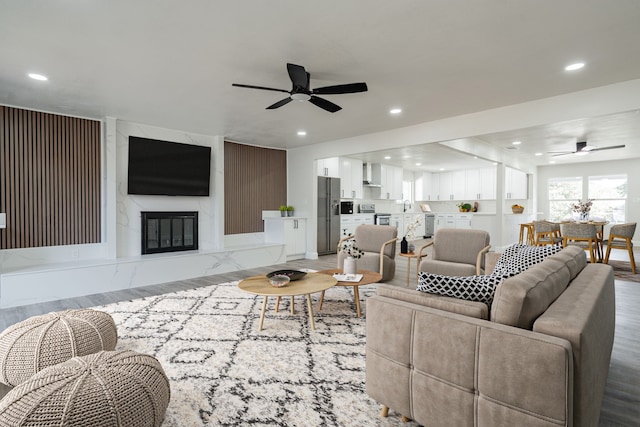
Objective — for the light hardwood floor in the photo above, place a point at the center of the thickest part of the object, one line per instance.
(621, 404)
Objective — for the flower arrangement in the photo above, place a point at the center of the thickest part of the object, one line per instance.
(349, 247)
(464, 207)
(410, 231)
(583, 208)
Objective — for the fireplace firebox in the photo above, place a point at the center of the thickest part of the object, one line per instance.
(169, 232)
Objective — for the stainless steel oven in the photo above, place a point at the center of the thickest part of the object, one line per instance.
(382, 219)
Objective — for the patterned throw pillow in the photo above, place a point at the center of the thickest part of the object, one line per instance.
(471, 288)
(514, 260)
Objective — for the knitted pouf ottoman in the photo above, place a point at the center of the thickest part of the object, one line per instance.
(105, 389)
(42, 341)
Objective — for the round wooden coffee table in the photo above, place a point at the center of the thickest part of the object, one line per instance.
(309, 284)
(368, 277)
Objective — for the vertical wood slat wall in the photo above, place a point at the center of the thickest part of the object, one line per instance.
(49, 179)
(255, 179)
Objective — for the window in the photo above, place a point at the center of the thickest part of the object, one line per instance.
(609, 194)
(562, 192)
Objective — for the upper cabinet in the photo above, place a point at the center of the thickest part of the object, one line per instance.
(515, 184)
(350, 178)
(481, 184)
(472, 184)
(329, 167)
(391, 182)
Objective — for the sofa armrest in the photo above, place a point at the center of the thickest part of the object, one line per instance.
(453, 305)
(441, 368)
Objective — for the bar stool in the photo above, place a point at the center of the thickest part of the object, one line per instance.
(526, 229)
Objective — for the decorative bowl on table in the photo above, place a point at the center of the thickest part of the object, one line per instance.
(291, 274)
(517, 209)
(279, 280)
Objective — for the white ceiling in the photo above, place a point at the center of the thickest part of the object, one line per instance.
(171, 64)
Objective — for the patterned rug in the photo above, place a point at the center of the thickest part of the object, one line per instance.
(224, 372)
(622, 271)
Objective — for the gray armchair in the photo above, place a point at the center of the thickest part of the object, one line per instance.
(378, 242)
(456, 252)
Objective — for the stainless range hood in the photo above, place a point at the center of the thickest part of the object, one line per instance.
(371, 175)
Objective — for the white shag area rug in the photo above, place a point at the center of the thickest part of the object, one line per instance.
(224, 372)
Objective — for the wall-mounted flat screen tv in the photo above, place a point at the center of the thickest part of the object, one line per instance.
(168, 168)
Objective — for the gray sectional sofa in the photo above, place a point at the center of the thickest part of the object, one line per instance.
(539, 356)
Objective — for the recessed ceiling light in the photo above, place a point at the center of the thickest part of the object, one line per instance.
(538, 154)
(441, 169)
(387, 157)
(301, 133)
(418, 164)
(516, 142)
(36, 76)
(552, 162)
(574, 67)
(395, 111)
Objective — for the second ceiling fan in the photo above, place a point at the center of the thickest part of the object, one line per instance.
(583, 148)
(302, 92)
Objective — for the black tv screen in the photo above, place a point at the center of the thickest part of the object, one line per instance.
(168, 168)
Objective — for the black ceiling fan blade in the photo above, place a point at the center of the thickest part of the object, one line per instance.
(607, 148)
(260, 87)
(324, 104)
(279, 104)
(299, 77)
(339, 89)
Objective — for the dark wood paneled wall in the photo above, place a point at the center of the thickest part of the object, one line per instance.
(49, 179)
(255, 179)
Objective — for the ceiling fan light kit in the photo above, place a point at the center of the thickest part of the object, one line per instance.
(301, 90)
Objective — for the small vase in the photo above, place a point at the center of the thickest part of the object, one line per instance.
(283, 213)
(584, 216)
(350, 266)
(411, 247)
(289, 213)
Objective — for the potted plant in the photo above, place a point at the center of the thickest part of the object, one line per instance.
(283, 210)
(289, 210)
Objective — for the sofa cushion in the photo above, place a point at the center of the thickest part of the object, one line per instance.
(520, 299)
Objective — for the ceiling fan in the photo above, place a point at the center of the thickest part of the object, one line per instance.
(302, 92)
(582, 148)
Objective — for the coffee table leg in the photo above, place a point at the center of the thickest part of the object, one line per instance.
(356, 297)
(293, 309)
(313, 324)
(277, 303)
(408, 270)
(264, 308)
(321, 300)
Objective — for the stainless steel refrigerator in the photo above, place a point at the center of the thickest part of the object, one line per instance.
(328, 215)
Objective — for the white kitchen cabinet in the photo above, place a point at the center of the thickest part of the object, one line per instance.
(424, 187)
(444, 186)
(350, 178)
(391, 182)
(515, 184)
(453, 220)
(397, 220)
(290, 231)
(452, 185)
(329, 167)
(481, 184)
(463, 220)
(435, 186)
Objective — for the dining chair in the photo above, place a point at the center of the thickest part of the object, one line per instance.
(582, 235)
(620, 237)
(546, 233)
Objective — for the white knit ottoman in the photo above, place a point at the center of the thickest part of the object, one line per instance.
(42, 341)
(105, 389)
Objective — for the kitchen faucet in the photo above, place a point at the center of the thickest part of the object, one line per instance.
(405, 204)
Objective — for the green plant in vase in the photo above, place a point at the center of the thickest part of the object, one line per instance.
(289, 210)
(283, 210)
